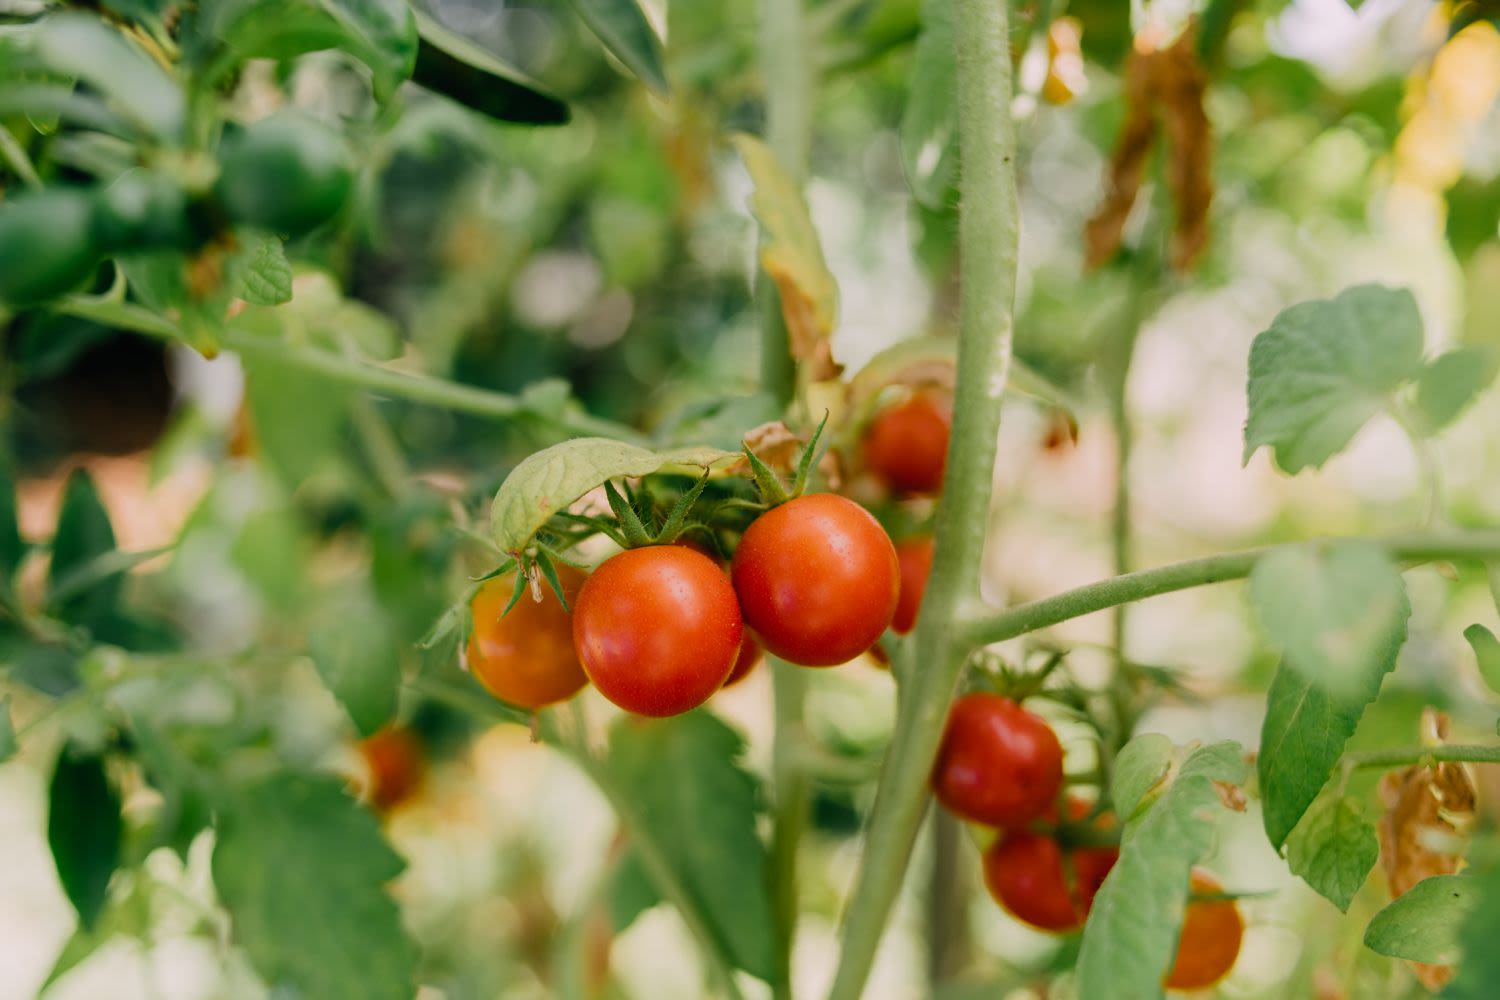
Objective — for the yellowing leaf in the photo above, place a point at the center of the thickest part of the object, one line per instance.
(793, 257)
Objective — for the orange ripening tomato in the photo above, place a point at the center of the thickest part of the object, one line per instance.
(906, 445)
(817, 578)
(915, 558)
(998, 764)
(1024, 872)
(526, 658)
(658, 629)
(394, 759)
(1209, 941)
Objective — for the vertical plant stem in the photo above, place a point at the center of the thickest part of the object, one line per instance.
(787, 71)
(1119, 408)
(988, 234)
(947, 918)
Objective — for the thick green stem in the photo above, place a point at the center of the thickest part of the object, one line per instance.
(988, 235)
(1023, 618)
(947, 899)
(351, 372)
(793, 788)
(1474, 753)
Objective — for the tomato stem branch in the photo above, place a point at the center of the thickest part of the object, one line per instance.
(988, 239)
(1483, 546)
(1474, 753)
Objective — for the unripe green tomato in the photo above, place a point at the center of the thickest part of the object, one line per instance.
(47, 245)
(287, 173)
(142, 210)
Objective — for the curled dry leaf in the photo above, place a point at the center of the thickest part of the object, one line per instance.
(779, 447)
(1233, 796)
(1164, 90)
(1428, 814)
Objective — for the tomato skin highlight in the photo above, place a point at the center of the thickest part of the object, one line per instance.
(1209, 941)
(818, 580)
(998, 764)
(914, 555)
(1024, 872)
(526, 658)
(657, 629)
(906, 445)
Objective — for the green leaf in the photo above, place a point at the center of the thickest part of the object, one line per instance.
(382, 34)
(1486, 653)
(622, 26)
(301, 867)
(631, 892)
(1131, 934)
(127, 917)
(549, 480)
(1333, 849)
(8, 745)
(687, 790)
(83, 830)
(1140, 766)
(11, 547)
(1479, 971)
(1337, 612)
(929, 125)
(1450, 382)
(98, 570)
(356, 655)
(83, 535)
(1327, 366)
(451, 65)
(261, 274)
(1423, 924)
(85, 48)
(299, 419)
(1301, 740)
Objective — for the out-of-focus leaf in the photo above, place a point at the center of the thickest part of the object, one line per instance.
(1338, 613)
(631, 892)
(622, 26)
(260, 274)
(1131, 933)
(1486, 654)
(85, 48)
(8, 745)
(1450, 382)
(1423, 924)
(11, 547)
(793, 257)
(1140, 766)
(83, 830)
(1325, 367)
(301, 867)
(548, 481)
(83, 535)
(1333, 849)
(451, 65)
(356, 655)
(299, 418)
(1479, 969)
(127, 917)
(685, 785)
(929, 125)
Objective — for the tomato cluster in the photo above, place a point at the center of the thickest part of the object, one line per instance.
(1002, 766)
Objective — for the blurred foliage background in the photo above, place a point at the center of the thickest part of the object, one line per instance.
(615, 254)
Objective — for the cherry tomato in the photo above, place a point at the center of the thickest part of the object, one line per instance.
(395, 762)
(288, 173)
(998, 763)
(817, 578)
(658, 629)
(748, 660)
(906, 445)
(1209, 941)
(1025, 874)
(47, 246)
(526, 657)
(915, 558)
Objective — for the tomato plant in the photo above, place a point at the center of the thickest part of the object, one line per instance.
(413, 414)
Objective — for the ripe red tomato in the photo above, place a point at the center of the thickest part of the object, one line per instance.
(906, 445)
(526, 658)
(915, 558)
(817, 579)
(998, 763)
(1209, 941)
(748, 660)
(1024, 873)
(395, 764)
(658, 629)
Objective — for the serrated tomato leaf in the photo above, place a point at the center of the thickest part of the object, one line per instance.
(631, 892)
(687, 790)
(1479, 970)
(302, 868)
(1131, 934)
(1486, 654)
(547, 481)
(356, 654)
(83, 830)
(1333, 849)
(1422, 924)
(260, 273)
(1451, 381)
(1325, 367)
(1139, 767)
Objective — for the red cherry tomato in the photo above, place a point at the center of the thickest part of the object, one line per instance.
(1025, 874)
(658, 629)
(395, 764)
(906, 445)
(915, 558)
(998, 763)
(817, 579)
(1209, 941)
(526, 658)
(749, 659)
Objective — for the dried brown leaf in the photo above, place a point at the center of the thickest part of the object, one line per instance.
(779, 447)
(1127, 167)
